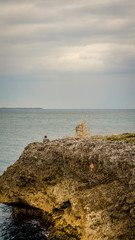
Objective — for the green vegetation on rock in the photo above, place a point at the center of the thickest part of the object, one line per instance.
(126, 137)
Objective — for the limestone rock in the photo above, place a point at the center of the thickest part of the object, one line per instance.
(83, 188)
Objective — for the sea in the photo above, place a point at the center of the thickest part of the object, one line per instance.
(19, 127)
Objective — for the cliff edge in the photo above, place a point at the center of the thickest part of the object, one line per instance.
(81, 188)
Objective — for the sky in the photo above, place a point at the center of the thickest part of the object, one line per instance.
(67, 54)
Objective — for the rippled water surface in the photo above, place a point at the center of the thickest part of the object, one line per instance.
(20, 127)
(9, 229)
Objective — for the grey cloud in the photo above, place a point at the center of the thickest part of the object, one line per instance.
(30, 29)
(68, 22)
(97, 31)
(110, 8)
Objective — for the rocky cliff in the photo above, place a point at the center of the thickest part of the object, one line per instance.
(81, 188)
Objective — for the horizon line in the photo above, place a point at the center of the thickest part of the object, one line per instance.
(67, 108)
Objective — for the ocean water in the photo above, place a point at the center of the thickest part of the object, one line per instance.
(19, 127)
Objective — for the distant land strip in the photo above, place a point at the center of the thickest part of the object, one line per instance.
(18, 108)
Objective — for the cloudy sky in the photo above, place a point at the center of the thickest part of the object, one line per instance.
(67, 54)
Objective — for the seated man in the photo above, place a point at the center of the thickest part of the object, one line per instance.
(45, 139)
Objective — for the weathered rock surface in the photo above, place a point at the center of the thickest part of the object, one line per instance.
(83, 188)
